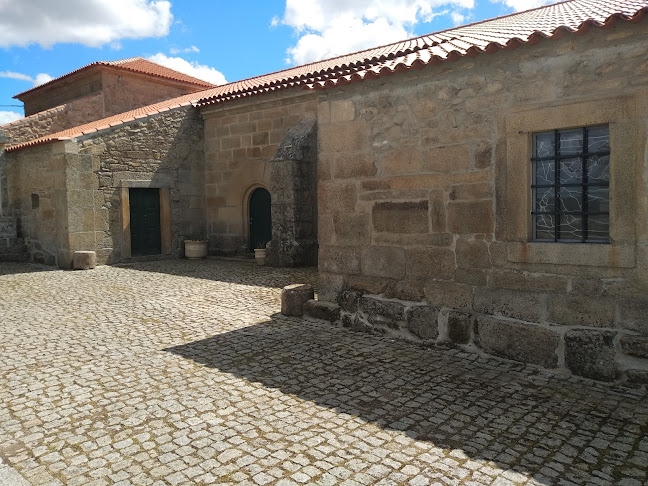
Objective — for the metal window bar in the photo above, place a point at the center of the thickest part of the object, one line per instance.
(584, 155)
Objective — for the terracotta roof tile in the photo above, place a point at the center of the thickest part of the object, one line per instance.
(489, 36)
(135, 65)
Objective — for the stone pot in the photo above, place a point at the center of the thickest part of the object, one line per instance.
(260, 256)
(195, 249)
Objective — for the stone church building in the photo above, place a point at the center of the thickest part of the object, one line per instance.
(484, 186)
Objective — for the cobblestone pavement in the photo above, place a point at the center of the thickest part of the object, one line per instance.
(182, 373)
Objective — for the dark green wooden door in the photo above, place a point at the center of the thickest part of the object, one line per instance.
(260, 218)
(145, 222)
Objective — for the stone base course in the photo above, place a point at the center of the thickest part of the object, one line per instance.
(182, 372)
(595, 353)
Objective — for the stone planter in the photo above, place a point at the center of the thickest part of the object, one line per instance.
(195, 249)
(260, 256)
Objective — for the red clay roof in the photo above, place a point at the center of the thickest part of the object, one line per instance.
(489, 36)
(136, 65)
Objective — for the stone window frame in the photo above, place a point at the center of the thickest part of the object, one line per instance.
(619, 113)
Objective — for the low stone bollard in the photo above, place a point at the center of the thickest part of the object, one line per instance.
(293, 298)
(84, 260)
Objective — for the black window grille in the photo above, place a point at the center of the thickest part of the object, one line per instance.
(571, 185)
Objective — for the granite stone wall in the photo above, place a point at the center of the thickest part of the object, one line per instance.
(241, 138)
(424, 206)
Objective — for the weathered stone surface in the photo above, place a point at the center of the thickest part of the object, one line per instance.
(526, 306)
(634, 315)
(349, 300)
(339, 260)
(470, 217)
(518, 341)
(530, 282)
(293, 298)
(449, 294)
(581, 310)
(472, 254)
(590, 353)
(634, 345)
(436, 263)
(383, 261)
(403, 161)
(480, 190)
(422, 321)
(84, 260)
(352, 228)
(326, 311)
(382, 312)
(459, 327)
(401, 217)
(354, 166)
(447, 158)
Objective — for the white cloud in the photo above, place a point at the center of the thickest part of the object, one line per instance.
(519, 5)
(206, 73)
(9, 116)
(327, 28)
(93, 23)
(174, 50)
(39, 79)
(457, 18)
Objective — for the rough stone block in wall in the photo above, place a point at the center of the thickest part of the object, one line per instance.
(352, 229)
(447, 158)
(459, 327)
(582, 310)
(449, 294)
(526, 306)
(403, 161)
(422, 321)
(590, 353)
(636, 346)
(401, 217)
(354, 166)
(518, 341)
(383, 261)
(349, 300)
(472, 254)
(470, 217)
(383, 313)
(431, 263)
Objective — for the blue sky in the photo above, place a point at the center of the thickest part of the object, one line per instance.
(216, 40)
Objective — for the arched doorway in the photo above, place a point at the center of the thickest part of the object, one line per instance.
(260, 218)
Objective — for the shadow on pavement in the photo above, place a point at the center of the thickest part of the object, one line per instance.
(14, 268)
(228, 270)
(518, 417)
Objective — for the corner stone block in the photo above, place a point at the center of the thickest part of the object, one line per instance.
(326, 311)
(590, 353)
(518, 341)
(84, 260)
(422, 322)
(293, 298)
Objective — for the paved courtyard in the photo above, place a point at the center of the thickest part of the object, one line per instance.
(183, 373)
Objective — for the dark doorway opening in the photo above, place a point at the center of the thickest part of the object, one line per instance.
(145, 221)
(260, 218)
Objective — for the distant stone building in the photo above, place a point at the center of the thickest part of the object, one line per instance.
(483, 186)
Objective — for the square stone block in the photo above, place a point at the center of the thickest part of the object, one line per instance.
(84, 260)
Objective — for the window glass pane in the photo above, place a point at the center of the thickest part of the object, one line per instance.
(571, 199)
(570, 142)
(571, 171)
(545, 200)
(544, 172)
(598, 200)
(543, 144)
(598, 169)
(598, 228)
(598, 139)
(570, 227)
(544, 226)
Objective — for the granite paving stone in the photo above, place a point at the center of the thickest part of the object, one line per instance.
(184, 372)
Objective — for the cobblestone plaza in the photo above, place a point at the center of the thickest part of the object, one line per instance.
(181, 372)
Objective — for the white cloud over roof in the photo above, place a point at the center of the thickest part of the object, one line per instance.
(327, 28)
(200, 71)
(92, 23)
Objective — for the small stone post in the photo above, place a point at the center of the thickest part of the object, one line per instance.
(293, 297)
